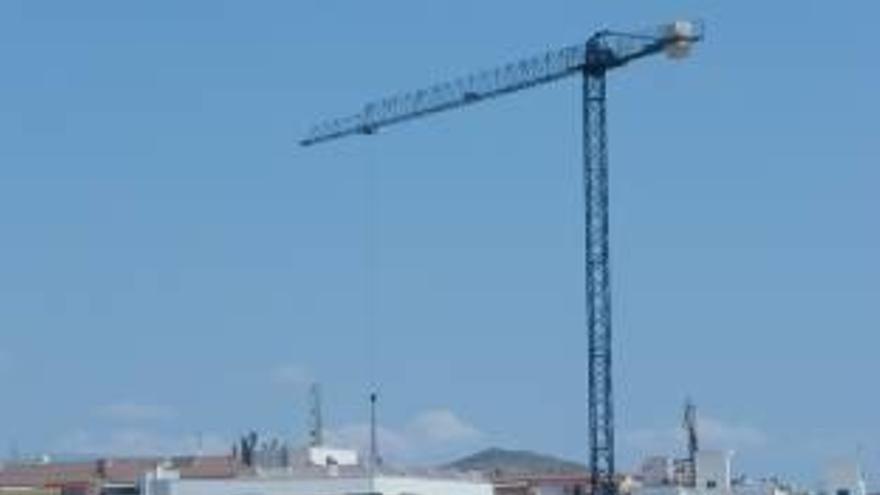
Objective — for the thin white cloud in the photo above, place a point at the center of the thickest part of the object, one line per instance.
(713, 433)
(293, 375)
(440, 426)
(138, 442)
(130, 411)
(429, 434)
(357, 436)
(738, 436)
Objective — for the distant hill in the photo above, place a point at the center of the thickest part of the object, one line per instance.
(497, 462)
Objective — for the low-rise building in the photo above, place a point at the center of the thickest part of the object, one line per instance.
(555, 484)
(332, 480)
(844, 477)
(109, 476)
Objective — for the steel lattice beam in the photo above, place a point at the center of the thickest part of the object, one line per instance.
(600, 401)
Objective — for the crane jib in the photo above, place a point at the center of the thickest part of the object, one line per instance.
(603, 51)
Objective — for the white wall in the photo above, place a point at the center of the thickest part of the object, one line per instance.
(328, 486)
(318, 486)
(656, 471)
(663, 490)
(555, 489)
(422, 486)
(844, 475)
(318, 456)
(713, 470)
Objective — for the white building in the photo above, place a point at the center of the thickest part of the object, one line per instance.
(332, 480)
(324, 457)
(380, 484)
(547, 484)
(843, 477)
(713, 470)
(657, 471)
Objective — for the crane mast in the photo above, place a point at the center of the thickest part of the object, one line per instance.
(604, 51)
(600, 403)
(689, 423)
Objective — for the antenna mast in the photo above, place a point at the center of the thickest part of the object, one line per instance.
(689, 423)
(316, 430)
(374, 440)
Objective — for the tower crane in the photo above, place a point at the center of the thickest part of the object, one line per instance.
(689, 423)
(604, 51)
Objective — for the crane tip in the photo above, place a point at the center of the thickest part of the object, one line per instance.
(681, 35)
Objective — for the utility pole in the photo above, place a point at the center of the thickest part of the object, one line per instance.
(316, 416)
(375, 460)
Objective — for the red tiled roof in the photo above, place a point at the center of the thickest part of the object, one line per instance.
(42, 475)
(125, 470)
(208, 467)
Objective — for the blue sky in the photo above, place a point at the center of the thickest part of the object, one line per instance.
(172, 264)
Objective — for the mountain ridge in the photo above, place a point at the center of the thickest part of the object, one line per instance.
(496, 461)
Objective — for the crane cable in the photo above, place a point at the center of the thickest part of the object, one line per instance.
(370, 179)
